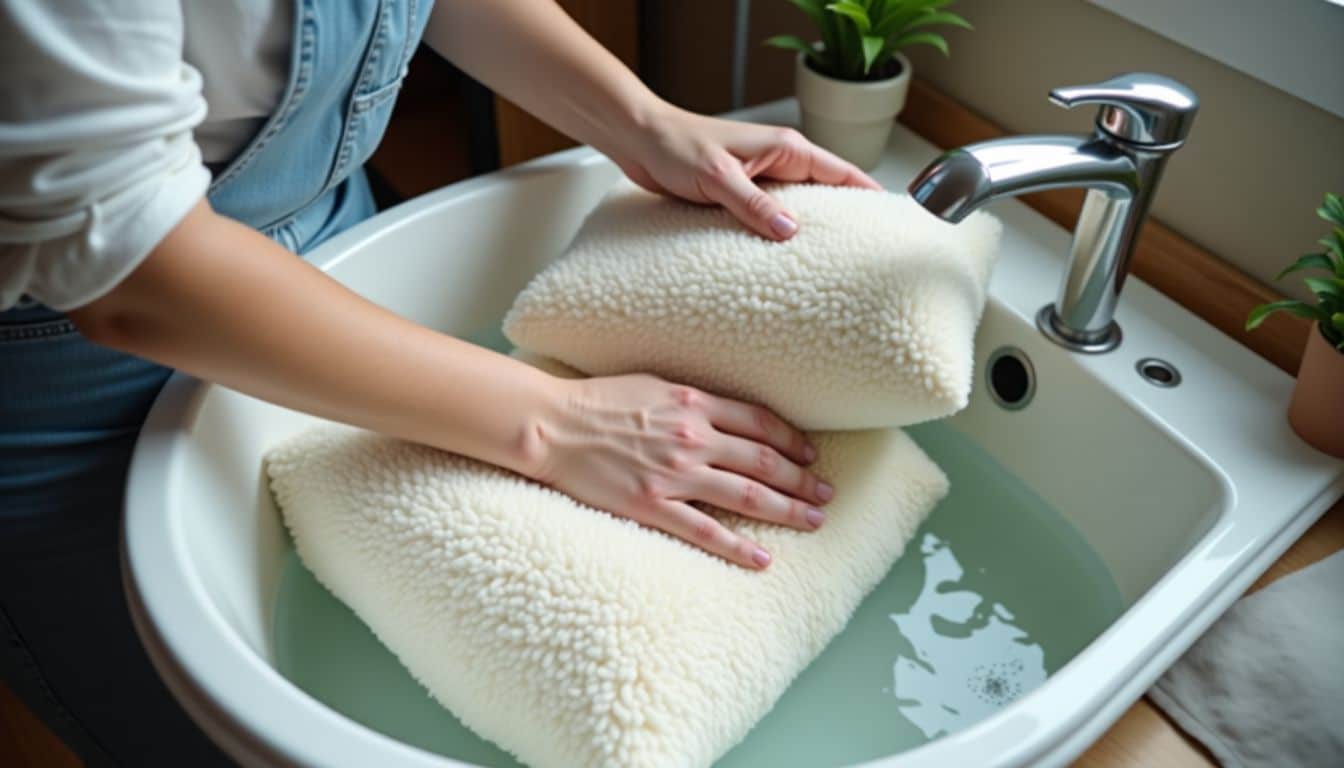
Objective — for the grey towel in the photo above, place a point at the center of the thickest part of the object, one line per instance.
(1265, 685)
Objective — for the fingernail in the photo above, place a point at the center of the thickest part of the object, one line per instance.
(824, 491)
(783, 225)
(809, 454)
(815, 517)
(760, 557)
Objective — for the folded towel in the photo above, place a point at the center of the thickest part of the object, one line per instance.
(866, 318)
(570, 637)
(1265, 686)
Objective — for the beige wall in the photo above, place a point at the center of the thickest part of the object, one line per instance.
(1245, 186)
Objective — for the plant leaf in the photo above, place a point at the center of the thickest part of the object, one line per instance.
(854, 12)
(1335, 240)
(1310, 261)
(828, 58)
(896, 21)
(795, 43)
(872, 50)
(1291, 306)
(859, 35)
(832, 45)
(1333, 209)
(848, 52)
(900, 16)
(921, 38)
(813, 9)
(1327, 288)
(939, 17)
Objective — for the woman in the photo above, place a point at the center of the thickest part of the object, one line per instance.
(158, 164)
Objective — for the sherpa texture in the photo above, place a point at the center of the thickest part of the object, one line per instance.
(571, 637)
(866, 318)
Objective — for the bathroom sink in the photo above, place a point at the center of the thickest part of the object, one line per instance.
(1099, 521)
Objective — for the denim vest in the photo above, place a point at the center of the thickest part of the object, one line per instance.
(69, 409)
(287, 182)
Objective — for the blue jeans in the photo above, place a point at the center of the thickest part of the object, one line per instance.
(70, 411)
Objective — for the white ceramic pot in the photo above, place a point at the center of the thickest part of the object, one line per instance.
(852, 119)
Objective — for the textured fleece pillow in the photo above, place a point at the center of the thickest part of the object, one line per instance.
(570, 637)
(866, 318)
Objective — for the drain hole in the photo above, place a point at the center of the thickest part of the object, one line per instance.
(1157, 372)
(1011, 379)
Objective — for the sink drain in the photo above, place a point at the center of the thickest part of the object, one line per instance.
(1011, 378)
(1158, 372)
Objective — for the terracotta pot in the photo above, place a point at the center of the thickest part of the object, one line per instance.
(1317, 409)
(852, 119)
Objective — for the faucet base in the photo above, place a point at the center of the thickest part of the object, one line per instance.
(1049, 324)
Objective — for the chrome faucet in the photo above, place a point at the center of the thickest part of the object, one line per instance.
(1143, 119)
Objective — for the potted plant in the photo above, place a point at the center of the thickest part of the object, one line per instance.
(852, 83)
(1317, 408)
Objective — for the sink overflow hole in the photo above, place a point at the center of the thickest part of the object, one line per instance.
(1011, 378)
(1158, 372)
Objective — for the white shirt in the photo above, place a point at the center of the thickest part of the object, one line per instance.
(98, 161)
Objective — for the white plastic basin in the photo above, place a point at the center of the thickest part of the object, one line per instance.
(1185, 494)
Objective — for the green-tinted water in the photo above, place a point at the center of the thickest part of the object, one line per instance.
(994, 593)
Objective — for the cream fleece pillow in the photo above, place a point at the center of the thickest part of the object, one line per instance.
(866, 318)
(570, 637)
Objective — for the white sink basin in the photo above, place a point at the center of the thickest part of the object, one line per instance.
(1178, 497)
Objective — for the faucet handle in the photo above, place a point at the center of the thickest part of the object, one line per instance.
(1139, 107)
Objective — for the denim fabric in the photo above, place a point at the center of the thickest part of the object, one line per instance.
(70, 410)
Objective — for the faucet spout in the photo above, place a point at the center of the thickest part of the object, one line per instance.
(1119, 180)
(1142, 120)
(963, 180)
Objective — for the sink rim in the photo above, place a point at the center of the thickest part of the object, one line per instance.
(239, 703)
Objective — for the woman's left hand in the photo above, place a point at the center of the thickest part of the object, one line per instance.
(592, 96)
(709, 160)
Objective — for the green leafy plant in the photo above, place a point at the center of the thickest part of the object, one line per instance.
(860, 37)
(1329, 290)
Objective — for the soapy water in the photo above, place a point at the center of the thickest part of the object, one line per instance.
(995, 592)
(959, 636)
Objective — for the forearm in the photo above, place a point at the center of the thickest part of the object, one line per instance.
(532, 53)
(222, 302)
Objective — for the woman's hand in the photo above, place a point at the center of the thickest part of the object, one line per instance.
(637, 445)
(644, 448)
(708, 160)
(589, 94)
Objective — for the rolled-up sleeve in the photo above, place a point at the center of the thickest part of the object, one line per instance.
(97, 159)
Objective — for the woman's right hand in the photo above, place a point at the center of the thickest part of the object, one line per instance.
(637, 446)
(645, 448)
